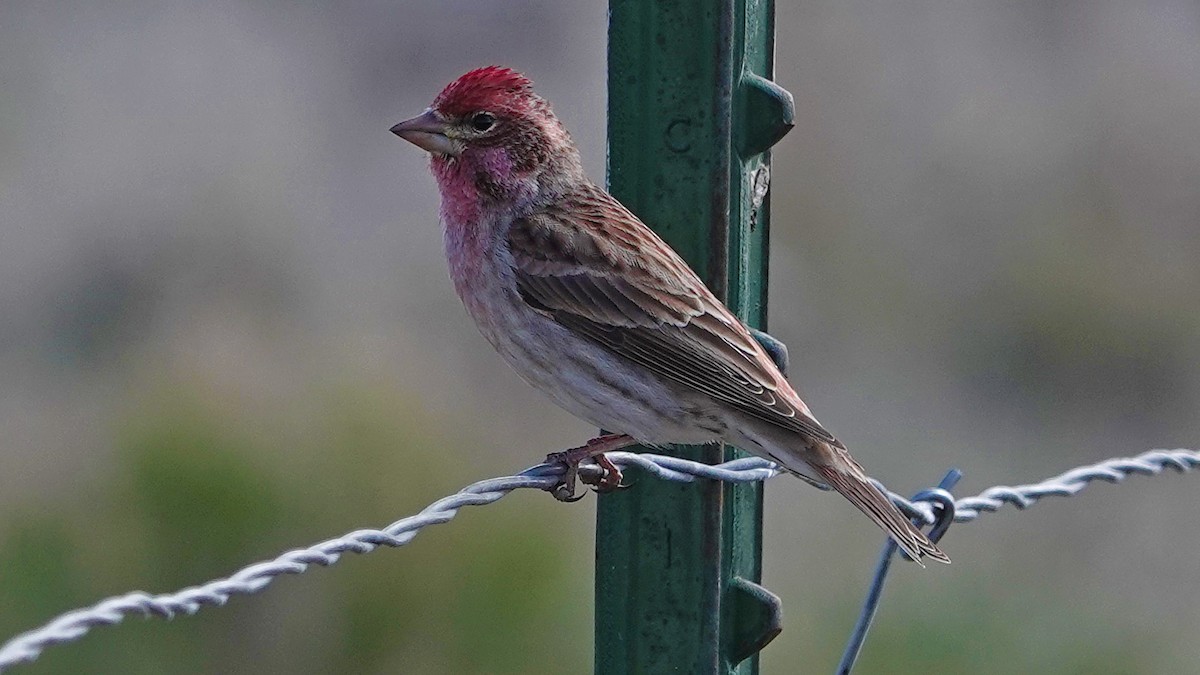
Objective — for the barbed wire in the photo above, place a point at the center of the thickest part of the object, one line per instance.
(73, 625)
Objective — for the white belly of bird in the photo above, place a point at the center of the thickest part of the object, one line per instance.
(590, 382)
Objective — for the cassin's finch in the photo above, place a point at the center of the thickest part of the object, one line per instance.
(594, 309)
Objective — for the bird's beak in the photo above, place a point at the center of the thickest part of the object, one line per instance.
(427, 132)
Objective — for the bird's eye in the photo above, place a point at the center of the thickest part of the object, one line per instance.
(482, 121)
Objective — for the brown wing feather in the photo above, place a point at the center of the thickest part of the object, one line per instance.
(634, 295)
(852, 483)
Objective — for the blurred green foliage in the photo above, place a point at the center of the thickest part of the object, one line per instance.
(201, 488)
(194, 497)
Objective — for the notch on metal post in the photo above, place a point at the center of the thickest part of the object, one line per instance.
(768, 113)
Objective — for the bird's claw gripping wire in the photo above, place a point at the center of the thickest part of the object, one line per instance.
(608, 480)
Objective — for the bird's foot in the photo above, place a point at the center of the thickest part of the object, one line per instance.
(608, 481)
(774, 348)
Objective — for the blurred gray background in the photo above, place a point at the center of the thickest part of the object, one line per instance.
(226, 330)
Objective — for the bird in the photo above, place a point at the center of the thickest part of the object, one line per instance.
(593, 308)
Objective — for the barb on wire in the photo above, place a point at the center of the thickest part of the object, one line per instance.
(75, 624)
(1066, 484)
(944, 510)
(943, 501)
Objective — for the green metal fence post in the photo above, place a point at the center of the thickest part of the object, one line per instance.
(692, 112)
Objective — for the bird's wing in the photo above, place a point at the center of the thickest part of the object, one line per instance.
(595, 268)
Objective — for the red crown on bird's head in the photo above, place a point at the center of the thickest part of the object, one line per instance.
(489, 88)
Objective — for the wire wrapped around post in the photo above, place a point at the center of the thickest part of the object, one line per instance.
(73, 625)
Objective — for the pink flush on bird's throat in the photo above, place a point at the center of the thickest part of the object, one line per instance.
(466, 181)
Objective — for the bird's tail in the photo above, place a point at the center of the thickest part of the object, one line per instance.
(847, 477)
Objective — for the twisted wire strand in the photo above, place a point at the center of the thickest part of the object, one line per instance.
(73, 625)
(1067, 484)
